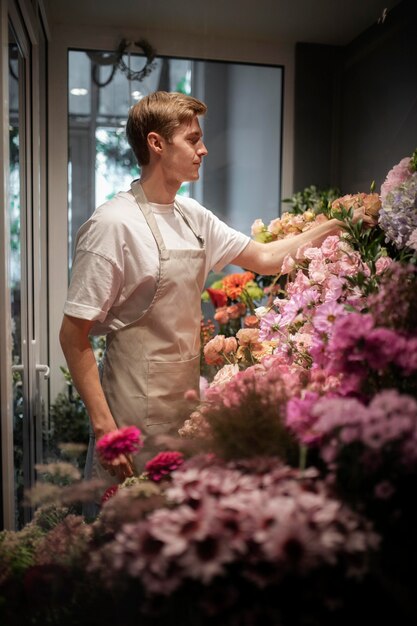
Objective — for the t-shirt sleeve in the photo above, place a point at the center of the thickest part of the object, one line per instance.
(95, 282)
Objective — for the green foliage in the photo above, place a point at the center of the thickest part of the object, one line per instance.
(251, 429)
(314, 199)
(69, 419)
(413, 161)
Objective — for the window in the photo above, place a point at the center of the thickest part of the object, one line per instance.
(240, 179)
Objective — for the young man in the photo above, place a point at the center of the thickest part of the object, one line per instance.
(140, 267)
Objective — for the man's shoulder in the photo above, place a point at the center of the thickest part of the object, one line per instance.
(193, 208)
(118, 208)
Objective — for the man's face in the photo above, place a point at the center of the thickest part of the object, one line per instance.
(183, 154)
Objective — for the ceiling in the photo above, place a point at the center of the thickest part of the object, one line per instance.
(284, 21)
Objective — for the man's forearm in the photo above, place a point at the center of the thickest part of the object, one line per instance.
(84, 372)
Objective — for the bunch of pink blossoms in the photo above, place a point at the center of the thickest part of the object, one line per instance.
(368, 449)
(365, 356)
(267, 523)
(314, 299)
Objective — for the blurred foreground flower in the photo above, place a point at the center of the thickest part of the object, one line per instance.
(163, 464)
(126, 440)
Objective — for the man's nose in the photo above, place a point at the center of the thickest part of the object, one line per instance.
(202, 150)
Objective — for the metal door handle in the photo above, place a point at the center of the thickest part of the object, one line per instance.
(43, 368)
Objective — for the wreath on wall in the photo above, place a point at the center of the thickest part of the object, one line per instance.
(116, 60)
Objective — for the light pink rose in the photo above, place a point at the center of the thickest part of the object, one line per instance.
(248, 336)
(257, 227)
(224, 375)
(233, 311)
(395, 177)
(251, 321)
(288, 264)
(230, 345)
(382, 264)
(212, 350)
(275, 226)
(221, 315)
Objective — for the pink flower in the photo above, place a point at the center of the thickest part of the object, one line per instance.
(213, 350)
(395, 177)
(382, 264)
(230, 345)
(300, 418)
(327, 314)
(288, 264)
(226, 373)
(221, 315)
(251, 321)
(234, 311)
(126, 440)
(248, 336)
(163, 464)
(257, 227)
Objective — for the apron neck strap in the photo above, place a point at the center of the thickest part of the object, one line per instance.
(142, 202)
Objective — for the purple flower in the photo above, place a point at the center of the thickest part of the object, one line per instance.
(398, 216)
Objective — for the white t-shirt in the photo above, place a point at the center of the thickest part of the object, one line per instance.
(116, 264)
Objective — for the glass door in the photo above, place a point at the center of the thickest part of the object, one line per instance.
(23, 347)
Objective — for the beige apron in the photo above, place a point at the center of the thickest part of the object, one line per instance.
(151, 362)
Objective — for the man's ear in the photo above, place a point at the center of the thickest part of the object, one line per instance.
(155, 142)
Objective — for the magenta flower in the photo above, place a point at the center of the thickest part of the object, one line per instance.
(163, 464)
(109, 493)
(126, 440)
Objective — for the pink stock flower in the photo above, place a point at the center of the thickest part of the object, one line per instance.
(163, 464)
(127, 440)
(300, 418)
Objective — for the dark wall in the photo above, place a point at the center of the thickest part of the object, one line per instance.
(362, 115)
(317, 88)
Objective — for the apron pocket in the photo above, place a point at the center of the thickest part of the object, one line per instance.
(167, 383)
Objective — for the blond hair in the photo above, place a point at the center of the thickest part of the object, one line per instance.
(161, 112)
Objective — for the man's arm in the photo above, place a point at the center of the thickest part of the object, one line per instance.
(75, 343)
(267, 258)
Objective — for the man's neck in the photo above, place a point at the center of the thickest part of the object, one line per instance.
(157, 189)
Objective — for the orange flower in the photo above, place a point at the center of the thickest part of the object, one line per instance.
(234, 284)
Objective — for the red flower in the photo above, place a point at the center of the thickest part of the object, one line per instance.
(163, 464)
(109, 493)
(217, 296)
(126, 440)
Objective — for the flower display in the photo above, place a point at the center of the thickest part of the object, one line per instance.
(288, 497)
(126, 440)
